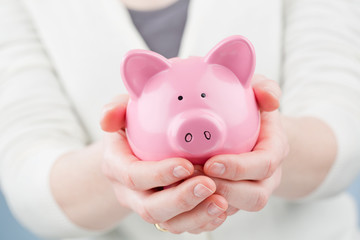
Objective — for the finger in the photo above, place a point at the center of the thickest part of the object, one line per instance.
(163, 205)
(198, 170)
(248, 195)
(267, 93)
(259, 164)
(204, 213)
(113, 116)
(231, 210)
(211, 225)
(121, 165)
(272, 131)
(256, 165)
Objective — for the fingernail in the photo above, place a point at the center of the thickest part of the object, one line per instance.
(180, 172)
(217, 169)
(201, 191)
(214, 209)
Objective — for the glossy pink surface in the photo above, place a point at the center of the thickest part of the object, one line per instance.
(193, 108)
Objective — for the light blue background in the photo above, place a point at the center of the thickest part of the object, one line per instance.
(11, 230)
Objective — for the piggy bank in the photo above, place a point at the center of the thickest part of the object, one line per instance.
(192, 108)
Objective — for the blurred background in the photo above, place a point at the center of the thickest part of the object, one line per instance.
(10, 229)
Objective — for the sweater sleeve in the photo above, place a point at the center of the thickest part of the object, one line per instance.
(37, 125)
(321, 78)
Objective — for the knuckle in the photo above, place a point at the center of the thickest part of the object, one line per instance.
(270, 167)
(127, 180)
(224, 190)
(145, 214)
(121, 200)
(161, 177)
(184, 203)
(261, 200)
(239, 171)
(106, 170)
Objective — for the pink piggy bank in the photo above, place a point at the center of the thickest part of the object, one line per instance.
(193, 108)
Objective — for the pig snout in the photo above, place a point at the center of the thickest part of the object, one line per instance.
(197, 133)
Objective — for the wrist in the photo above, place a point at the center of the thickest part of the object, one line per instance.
(312, 152)
(82, 191)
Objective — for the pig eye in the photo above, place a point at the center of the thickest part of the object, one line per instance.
(203, 95)
(180, 98)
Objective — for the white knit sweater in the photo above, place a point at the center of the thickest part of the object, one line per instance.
(59, 64)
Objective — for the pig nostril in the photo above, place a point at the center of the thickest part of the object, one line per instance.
(188, 137)
(207, 135)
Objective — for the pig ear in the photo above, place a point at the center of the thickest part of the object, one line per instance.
(237, 54)
(138, 67)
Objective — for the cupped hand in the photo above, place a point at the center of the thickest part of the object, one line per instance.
(247, 180)
(189, 205)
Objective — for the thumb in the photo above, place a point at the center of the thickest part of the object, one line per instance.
(114, 114)
(267, 93)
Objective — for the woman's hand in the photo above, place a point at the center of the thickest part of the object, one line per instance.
(189, 206)
(247, 180)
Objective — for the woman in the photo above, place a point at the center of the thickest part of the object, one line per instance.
(60, 64)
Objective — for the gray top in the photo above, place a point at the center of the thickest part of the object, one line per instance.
(162, 29)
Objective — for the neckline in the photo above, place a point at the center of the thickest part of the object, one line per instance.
(154, 11)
